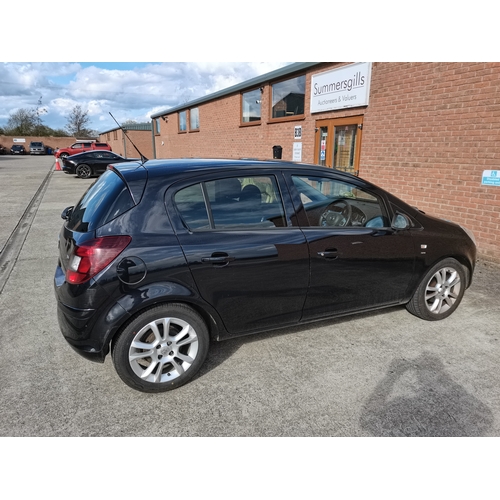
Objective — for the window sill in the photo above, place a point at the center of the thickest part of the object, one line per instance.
(250, 124)
(294, 118)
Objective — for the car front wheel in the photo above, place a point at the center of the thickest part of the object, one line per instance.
(440, 292)
(83, 171)
(161, 349)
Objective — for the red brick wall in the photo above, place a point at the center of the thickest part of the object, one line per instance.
(52, 142)
(141, 138)
(429, 131)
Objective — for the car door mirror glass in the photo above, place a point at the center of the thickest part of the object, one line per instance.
(400, 221)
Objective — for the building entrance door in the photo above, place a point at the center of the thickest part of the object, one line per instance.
(338, 143)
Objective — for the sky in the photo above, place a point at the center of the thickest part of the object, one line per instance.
(129, 90)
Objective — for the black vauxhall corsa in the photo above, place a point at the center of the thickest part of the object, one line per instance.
(159, 258)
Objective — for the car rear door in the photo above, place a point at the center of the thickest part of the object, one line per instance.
(358, 261)
(247, 259)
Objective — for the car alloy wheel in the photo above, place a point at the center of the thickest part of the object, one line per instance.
(440, 292)
(161, 349)
(83, 171)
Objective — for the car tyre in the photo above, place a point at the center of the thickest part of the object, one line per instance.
(83, 171)
(161, 349)
(63, 155)
(440, 291)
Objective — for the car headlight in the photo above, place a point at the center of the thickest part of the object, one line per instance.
(470, 234)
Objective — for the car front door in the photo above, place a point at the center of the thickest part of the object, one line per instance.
(358, 261)
(247, 260)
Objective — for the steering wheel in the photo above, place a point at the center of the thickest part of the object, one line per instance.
(337, 214)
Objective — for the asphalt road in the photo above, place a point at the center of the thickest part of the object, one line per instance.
(380, 374)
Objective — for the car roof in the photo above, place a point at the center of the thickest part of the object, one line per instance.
(93, 152)
(184, 165)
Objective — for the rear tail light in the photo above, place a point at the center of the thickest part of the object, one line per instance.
(93, 256)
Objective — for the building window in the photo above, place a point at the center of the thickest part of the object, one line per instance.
(157, 124)
(288, 97)
(250, 106)
(194, 119)
(115, 135)
(182, 121)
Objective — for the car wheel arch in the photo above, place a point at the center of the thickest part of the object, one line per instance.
(133, 304)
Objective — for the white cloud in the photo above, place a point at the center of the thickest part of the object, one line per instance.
(130, 94)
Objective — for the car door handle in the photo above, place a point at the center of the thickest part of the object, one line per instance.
(217, 259)
(329, 254)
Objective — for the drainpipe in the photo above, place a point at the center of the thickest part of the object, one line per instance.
(153, 123)
(124, 144)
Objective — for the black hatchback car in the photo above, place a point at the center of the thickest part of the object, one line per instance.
(91, 163)
(17, 149)
(159, 258)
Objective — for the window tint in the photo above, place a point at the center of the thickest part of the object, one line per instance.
(332, 203)
(105, 200)
(191, 206)
(233, 203)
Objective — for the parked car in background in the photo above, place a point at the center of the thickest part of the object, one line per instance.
(80, 147)
(158, 258)
(17, 149)
(37, 148)
(3, 151)
(90, 163)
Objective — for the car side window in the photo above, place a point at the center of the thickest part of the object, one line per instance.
(232, 203)
(333, 203)
(190, 203)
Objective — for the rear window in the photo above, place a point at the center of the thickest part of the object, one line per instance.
(105, 200)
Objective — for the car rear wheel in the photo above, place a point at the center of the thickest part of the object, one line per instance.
(63, 155)
(440, 292)
(83, 171)
(161, 349)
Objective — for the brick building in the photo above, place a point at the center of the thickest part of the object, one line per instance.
(428, 132)
(139, 133)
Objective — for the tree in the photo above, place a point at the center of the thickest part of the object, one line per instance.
(22, 122)
(78, 121)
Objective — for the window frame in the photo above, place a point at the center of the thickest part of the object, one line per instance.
(185, 113)
(191, 129)
(180, 224)
(285, 118)
(254, 122)
(302, 217)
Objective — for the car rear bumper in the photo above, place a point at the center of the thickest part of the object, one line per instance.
(87, 330)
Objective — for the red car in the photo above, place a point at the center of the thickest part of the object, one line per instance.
(80, 147)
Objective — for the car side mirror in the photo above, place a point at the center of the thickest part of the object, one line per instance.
(66, 213)
(400, 221)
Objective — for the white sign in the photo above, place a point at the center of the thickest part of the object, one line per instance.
(298, 132)
(345, 87)
(18, 140)
(491, 178)
(297, 151)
